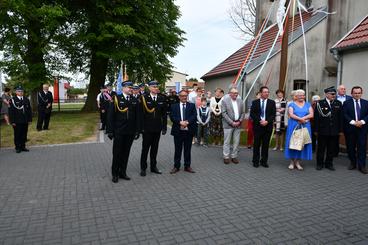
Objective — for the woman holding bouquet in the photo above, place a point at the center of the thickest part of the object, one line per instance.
(300, 113)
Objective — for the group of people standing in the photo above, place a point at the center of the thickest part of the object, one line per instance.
(17, 112)
(194, 115)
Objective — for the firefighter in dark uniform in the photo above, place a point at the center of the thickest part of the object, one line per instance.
(123, 126)
(136, 91)
(20, 115)
(142, 88)
(154, 124)
(173, 98)
(44, 100)
(328, 121)
(106, 98)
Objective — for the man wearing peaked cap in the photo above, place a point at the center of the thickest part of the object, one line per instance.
(20, 115)
(142, 87)
(136, 91)
(123, 126)
(44, 101)
(154, 124)
(328, 124)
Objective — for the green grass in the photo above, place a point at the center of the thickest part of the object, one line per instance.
(65, 127)
(67, 106)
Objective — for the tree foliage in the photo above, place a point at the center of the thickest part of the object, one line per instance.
(40, 38)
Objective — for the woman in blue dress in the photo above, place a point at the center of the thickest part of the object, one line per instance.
(300, 113)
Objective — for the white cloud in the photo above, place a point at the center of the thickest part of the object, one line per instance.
(210, 36)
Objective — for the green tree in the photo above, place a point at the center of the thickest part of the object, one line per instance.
(27, 28)
(142, 34)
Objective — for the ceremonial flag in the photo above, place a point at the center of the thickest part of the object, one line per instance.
(119, 86)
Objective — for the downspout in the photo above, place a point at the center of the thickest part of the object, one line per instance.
(338, 58)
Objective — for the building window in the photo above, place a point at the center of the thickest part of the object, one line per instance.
(300, 84)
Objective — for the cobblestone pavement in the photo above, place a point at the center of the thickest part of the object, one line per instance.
(64, 195)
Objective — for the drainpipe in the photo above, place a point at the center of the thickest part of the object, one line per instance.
(338, 58)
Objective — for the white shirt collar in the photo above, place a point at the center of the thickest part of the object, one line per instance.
(125, 95)
(20, 97)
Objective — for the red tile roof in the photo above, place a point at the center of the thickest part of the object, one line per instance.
(356, 38)
(233, 63)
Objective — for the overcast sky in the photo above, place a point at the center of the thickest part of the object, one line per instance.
(210, 35)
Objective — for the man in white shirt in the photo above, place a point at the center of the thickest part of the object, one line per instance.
(341, 94)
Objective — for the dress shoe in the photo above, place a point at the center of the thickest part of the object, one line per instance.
(115, 179)
(25, 149)
(226, 160)
(189, 170)
(174, 171)
(18, 150)
(352, 167)
(124, 176)
(156, 171)
(143, 173)
(265, 165)
(363, 170)
(330, 167)
(235, 160)
(255, 164)
(319, 167)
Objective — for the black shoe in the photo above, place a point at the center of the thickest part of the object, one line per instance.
(319, 167)
(25, 149)
(143, 173)
(39, 129)
(352, 167)
(115, 179)
(363, 170)
(330, 167)
(255, 164)
(124, 176)
(18, 150)
(156, 171)
(265, 165)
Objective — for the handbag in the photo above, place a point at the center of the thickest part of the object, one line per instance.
(306, 136)
(297, 139)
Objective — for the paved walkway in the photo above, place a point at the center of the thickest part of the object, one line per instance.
(64, 195)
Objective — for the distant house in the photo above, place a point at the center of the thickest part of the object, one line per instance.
(177, 81)
(352, 55)
(322, 32)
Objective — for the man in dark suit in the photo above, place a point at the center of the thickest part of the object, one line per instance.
(328, 124)
(123, 125)
(184, 118)
(44, 100)
(154, 123)
(342, 97)
(262, 112)
(20, 115)
(356, 119)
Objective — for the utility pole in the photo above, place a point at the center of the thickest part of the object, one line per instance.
(284, 50)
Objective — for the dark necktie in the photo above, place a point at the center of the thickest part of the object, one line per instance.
(127, 98)
(263, 109)
(183, 110)
(357, 106)
(154, 99)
